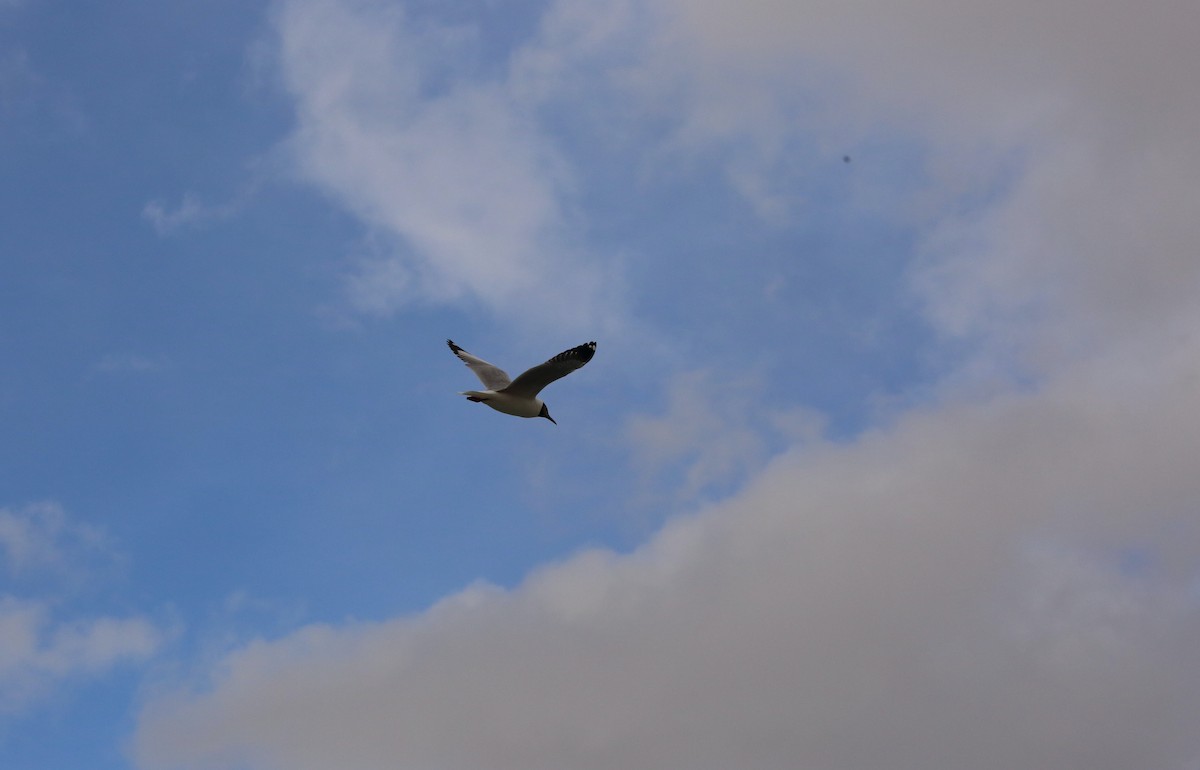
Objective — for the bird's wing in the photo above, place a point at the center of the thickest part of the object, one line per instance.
(530, 383)
(492, 377)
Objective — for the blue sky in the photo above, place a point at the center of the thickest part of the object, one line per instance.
(915, 427)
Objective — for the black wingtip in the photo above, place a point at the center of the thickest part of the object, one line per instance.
(453, 347)
(582, 353)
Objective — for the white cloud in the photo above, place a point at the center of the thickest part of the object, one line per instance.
(455, 168)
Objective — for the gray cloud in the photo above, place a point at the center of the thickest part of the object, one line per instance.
(945, 593)
(1086, 110)
(713, 432)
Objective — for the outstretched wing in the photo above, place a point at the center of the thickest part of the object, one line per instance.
(530, 383)
(492, 377)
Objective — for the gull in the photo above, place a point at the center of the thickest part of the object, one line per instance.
(519, 397)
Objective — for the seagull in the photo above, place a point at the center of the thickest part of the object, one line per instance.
(519, 397)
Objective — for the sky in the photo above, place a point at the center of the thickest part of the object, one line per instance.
(886, 457)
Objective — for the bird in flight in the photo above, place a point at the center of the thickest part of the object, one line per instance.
(519, 397)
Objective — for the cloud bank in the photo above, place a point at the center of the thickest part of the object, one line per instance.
(950, 592)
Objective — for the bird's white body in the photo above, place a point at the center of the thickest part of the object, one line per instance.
(506, 402)
(519, 397)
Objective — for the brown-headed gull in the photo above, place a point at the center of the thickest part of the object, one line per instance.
(519, 397)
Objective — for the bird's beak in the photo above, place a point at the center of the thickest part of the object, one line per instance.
(551, 419)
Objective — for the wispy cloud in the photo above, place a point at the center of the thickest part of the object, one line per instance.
(190, 212)
(115, 363)
(43, 550)
(41, 538)
(454, 168)
(16, 76)
(39, 653)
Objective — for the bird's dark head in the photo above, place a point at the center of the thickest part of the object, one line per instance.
(546, 413)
